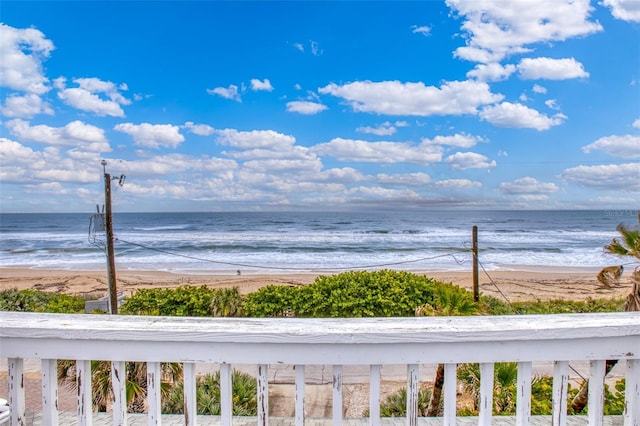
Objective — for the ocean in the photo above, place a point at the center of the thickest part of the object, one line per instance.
(211, 243)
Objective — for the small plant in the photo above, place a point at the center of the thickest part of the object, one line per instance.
(244, 395)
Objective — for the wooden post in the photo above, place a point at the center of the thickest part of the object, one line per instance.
(111, 263)
(474, 249)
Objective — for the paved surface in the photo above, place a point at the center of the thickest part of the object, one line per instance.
(103, 419)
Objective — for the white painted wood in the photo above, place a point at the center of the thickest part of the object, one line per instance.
(337, 395)
(632, 393)
(412, 394)
(49, 370)
(154, 401)
(263, 396)
(299, 408)
(321, 341)
(119, 389)
(523, 394)
(374, 395)
(226, 396)
(16, 391)
(84, 397)
(560, 386)
(189, 391)
(486, 394)
(596, 393)
(450, 389)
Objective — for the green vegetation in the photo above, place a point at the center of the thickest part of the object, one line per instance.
(40, 301)
(243, 388)
(384, 293)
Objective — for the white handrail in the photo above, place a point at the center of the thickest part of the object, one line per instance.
(337, 342)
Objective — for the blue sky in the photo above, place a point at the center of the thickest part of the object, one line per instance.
(229, 106)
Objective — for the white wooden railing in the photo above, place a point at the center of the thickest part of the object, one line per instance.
(559, 339)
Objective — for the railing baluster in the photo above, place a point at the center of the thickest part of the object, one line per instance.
(523, 394)
(49, 369)
(226, 401)
(560, 380)
(632, 393)
(119, 388)
(263, 396)
(299, 395)
(16, 391)
(337, 395)
(450, 380)
(85, 397)
(374, 395)
(189, 391)
(153, 393)
(412, 394)
(596, 392)
(486, 393)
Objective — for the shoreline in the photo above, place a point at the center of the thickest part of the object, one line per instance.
(526, 283)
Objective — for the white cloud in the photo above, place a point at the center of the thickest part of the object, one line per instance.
(86, 96)
(261, 85)
(461, 140)
(152, 135)
(305, 107)
(528, 185)
(299, 46)
(25, 106)
(507, 114)
(626, 146)
(74, 134)
(621, 177)
(636, 123)
(627, 10)
(22, 52)
(423, 29)
(491, 72)
(539, 89)
(406, 179)
(551, 69)
(496, 29)
(199, 129)
(552, 104)
(382, 152)
(315, 48)
(469, 160)
(230, 92)
(384, 129)
(396, 98)
(255, 139)
(457, 183)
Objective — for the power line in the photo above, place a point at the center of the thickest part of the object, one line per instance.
(245, 265)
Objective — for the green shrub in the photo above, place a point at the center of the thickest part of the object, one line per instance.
(243, 388)
(494, 306)
(40, 301)
(181, 301)
(382, 293)
(395, 405)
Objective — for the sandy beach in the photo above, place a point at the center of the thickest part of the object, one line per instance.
(527, 283)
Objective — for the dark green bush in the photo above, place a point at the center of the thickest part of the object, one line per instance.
(382, 293)
(181, 301)
(40, 301)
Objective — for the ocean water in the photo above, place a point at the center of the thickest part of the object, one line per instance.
(314, 242)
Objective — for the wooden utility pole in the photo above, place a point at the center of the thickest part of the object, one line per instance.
(474, 249)
(111, 261)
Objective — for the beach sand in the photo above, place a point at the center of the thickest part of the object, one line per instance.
(527, 283)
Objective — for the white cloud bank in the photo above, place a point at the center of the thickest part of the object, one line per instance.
(152, 135)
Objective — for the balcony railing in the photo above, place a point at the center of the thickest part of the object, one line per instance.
(556, 339)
